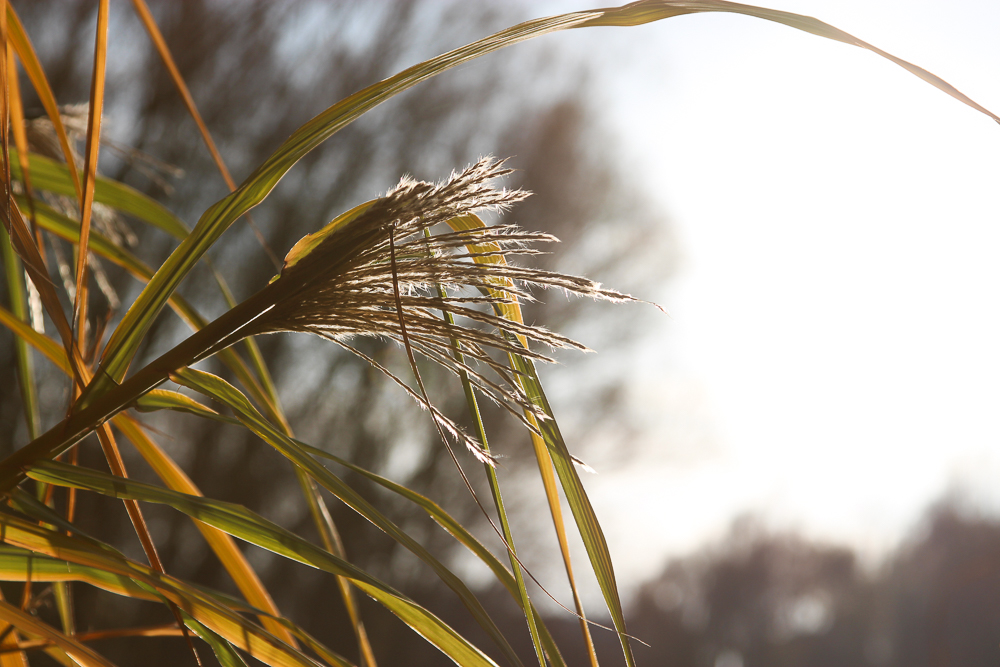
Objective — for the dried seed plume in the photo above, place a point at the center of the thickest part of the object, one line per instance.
(344, 284)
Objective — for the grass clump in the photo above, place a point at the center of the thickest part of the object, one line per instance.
(417, 267)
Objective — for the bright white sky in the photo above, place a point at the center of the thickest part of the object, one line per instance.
(831, 361)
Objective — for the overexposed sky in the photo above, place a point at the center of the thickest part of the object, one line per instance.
(831, 359)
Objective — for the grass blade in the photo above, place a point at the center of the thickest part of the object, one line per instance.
(127, 336)
(579, 503)
(21, 239)
(90, 167)
(487, 253)
(19, 307)
(322, 518)
(26, 622)
(29, 60)
(155, 36)
(246, 525)
(164, 399)
(15, 276)
(491, 475)
(48, 347)
(54, 177)
(456, 530)
(223, 650)
(207, 608)
(69, 229)
(175, 478)
(220, 390)
(18, 564)
(47, 174)
(24, 245)
(545, 469)
(168, 61)
(231, 557)
(225, 549)
(330, 537)
(638, 13)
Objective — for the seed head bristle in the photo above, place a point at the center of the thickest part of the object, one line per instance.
(348, 284)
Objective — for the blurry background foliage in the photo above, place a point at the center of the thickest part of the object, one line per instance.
(259, 70)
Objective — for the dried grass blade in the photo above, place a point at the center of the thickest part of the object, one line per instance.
(17, 127)
(22, 241)
(11, 656)
(31, 625)
(489, 254)
(90, 168)
(555, 509)
(149, 23)
(29, 60)
(142, 10)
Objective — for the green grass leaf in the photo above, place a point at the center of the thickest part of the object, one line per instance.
(164, 399)
(459, 532)
(488, 254)
(16, 291)
(52, 176)
(220, 390)
(240, 522)
(206, 607)
(576, 496)
(224, 652)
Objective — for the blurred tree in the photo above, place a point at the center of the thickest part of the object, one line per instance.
(760, 599)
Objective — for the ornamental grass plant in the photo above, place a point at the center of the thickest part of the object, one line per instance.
(416, 269)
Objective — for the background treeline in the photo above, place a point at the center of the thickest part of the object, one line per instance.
(761, 598)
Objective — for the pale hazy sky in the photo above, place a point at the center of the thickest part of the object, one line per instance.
(831, 358)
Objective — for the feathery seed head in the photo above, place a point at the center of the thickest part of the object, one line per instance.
(344, 281)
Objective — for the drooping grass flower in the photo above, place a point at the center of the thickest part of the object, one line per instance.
(373, 267)
(371, 272)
